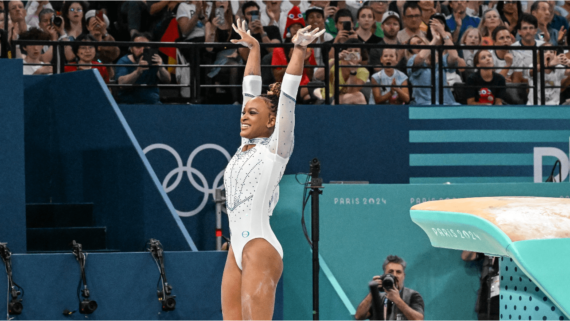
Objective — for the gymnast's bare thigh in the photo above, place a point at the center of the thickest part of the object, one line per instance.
(250, 294)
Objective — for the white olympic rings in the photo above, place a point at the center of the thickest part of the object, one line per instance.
(179, 171)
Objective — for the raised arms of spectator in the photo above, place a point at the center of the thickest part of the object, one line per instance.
(157, 7)
(253, 65)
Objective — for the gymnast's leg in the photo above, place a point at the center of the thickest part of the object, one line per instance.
(262, 268)
(231, 289)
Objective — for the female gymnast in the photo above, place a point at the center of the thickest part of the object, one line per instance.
(254, 264)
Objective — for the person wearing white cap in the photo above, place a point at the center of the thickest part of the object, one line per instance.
(97, 27)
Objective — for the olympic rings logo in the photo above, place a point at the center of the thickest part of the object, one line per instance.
(181, 169)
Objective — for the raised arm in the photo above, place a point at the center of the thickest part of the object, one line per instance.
(282, 140)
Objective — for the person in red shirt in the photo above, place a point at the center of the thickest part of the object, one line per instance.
(85, 54)
(282, 56)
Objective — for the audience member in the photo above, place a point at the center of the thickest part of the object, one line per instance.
(192, 18)
(329, 12)
(541, 10)
(489, 275)
(135, 10)
(33, 9)
(412, 21)
(86, 54)
(32, 61)
(379, 7)
(345, 26)
(302, 4)
(316, 19)
(557, 19)
(140, 75)
(98, 29)
(387, 77)
(267, 34)
(503, 58)
(471, 37)
(428, 10)
(219, 29)
(17, 15)
(486, 87)
(478, 8)
(273, 16)
(366, 31)
(354, 75)
(510, 13)
(402, 303)
(73, 13)
(554, 72)
(391, 27)
(161, 14)
(491, 20)
(282, 56)
(460, 21)
(527, 32)
(419, 71)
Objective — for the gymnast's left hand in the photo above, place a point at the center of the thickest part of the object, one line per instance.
(246, 39)
(304, 37)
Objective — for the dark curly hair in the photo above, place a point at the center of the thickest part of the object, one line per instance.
(34, 34)
(83, 38)
(272, 96)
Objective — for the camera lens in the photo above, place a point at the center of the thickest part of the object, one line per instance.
(388, 282)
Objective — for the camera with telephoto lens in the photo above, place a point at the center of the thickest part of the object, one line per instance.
(388, 281)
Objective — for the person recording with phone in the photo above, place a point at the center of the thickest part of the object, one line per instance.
(263, 34)
(143, 74)
(345, 25)
(398, 302)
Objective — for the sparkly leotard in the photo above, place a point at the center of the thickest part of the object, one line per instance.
(252, 177)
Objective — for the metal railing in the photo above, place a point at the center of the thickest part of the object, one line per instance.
(194, 64)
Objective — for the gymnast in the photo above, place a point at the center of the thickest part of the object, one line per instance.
(255, 259)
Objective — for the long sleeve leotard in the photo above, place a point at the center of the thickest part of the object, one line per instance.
(252, 177)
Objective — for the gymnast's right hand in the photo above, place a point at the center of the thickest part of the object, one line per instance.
(246, 39)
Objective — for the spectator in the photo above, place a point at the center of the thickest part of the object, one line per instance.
(136, 10)
(288, 4)
(541, 10)
(379, 7)
(345, 31)
(391, 26)
(407, 304)
(33, 9)
(471, 37)
(98, 29)
(161, 14)
(489, 275)
(491, 20)
(478, 8)
(412, 22)
(46, 18)
(503, 58)
(460, 21)
(558, 18)
(219, 29)
(366, 30)
(350, 76)
(527, 34)
(140, 75)
(282, 56)
(273, 16)
(510, 13)
(86, 54)
(268, 34)
(316, 18)
(387, 77)
(329, 12)
(552, 77)
(486, 83)
(18, 16)
(419, 63)
(191, 17)
(428, 10)
(32, 62)
(73, 13)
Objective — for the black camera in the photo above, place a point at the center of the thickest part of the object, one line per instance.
(15, 306)
(388, 281)
(87, 306)
(168, 301)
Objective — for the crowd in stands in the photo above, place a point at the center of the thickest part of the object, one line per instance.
(374, 75)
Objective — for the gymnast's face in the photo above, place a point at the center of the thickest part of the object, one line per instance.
(257, 120)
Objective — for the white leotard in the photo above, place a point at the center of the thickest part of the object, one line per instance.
(252, 177)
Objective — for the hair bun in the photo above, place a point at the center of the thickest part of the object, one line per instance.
(274, 89)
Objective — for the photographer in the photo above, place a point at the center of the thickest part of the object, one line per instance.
(400, 304)
(143, 74)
